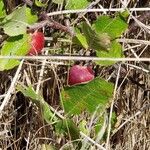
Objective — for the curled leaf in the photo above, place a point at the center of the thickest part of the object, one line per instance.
(96, 41)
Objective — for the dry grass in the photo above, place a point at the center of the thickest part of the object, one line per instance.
(21, 126)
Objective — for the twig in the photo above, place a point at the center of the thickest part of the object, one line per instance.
(133, 52)
(2, 96)
(41, 74)
(111, 108)
(89, 7)
(51, 23)
(137, 67)
(63, 58)
(92, 141)
(61, 27)
(28, 140)
(96, 10)
(132, 117)
(143, 17)
(38, 25)
(141, 24)
(28, 2)
(135, 41)
(11, 89)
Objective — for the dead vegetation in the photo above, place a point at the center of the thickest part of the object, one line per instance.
(21, 126)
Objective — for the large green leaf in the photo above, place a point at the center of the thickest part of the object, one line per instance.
(2, 9)
(14, 46)
(113, 26)
(101, 36)
(96, 93)
(76, 4)
(17, 22)
(114, 52)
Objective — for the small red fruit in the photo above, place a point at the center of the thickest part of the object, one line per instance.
(80, 75)
(37, 43)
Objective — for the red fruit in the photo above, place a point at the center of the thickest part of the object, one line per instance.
(37, 43)
(80, 75)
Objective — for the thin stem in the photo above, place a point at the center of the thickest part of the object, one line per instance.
(96, 10)
(63, 58)
(11, 89)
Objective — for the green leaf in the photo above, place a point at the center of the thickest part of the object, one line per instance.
(31, 16)
(96, 41)
(102, 124)
(14, 46)
(67, 126)
(17, 45)
(80, 39)
(6, 64)
(29, 92)
(114, 52)
(2, 9)
(40, 4)
(76, 4)
(124, 15)
(114, 27)
(88, 96)
(46, 112)
(58, 1)
(83, 127)
(17, 22)
(99, 124)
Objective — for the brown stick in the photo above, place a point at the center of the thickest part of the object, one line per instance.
(51, 23)
(142, 18)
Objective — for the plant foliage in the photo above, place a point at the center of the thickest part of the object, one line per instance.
(96, 93)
